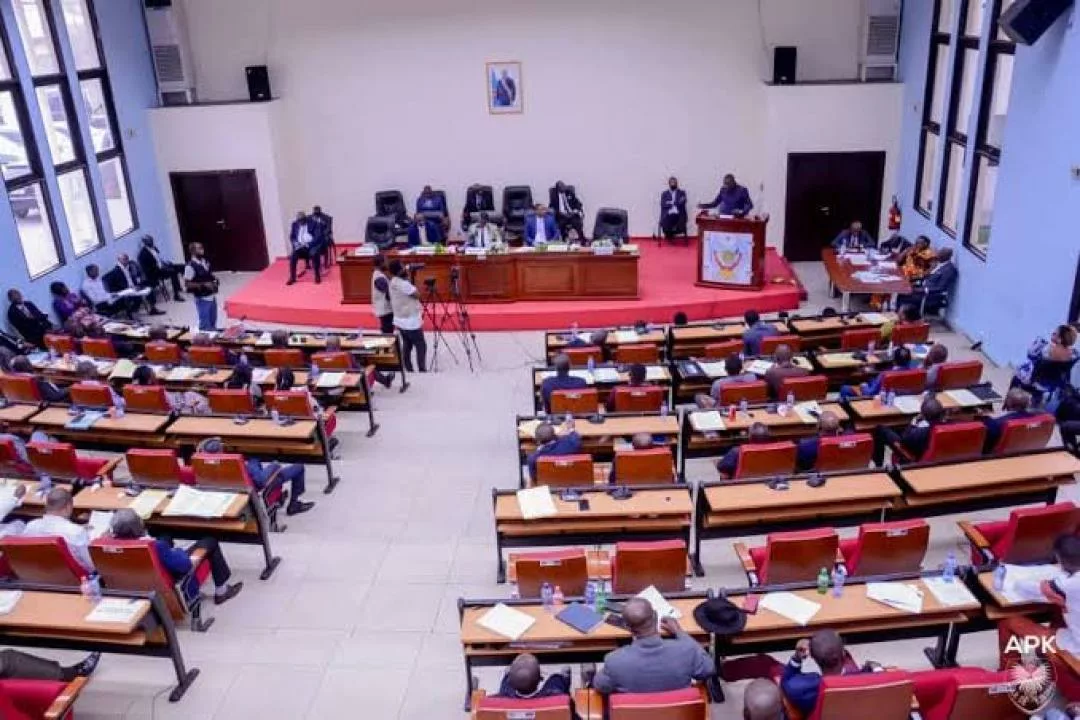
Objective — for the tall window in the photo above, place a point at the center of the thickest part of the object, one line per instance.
(933, 106)
(94, 89)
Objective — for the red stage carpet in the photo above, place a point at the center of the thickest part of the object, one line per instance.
(666, 279)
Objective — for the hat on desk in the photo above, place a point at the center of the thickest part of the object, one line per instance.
(720, 616)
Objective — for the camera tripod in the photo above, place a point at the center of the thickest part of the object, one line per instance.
(449, 314)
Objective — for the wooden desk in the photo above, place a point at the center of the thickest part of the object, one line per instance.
(688, 386)
(555, 341)
(868, 413)
(17, 414)
(690, 340)
(841, 273)
(520, 274)
(132, 430)
(826, 331)
(654, 512)
(657, 375)
(139, 333)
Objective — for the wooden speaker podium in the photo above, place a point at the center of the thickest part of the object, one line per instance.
(731, 252)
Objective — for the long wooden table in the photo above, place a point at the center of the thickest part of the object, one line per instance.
(520, 274)
(556, 341)
(841, 276)
(869, 413)
(687, 383)
(657, 374)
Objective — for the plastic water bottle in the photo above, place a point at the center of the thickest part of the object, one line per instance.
(275, 416)
(121, 406)
(243, 359)
(515, 594)
(744, 407)
(547, 597)
(557, 597)
(90, 587)
(890, 398)
(44, 483)
(590, 594)
(999, 577)
(948, 570)
(601, 597)
(592, 364)
(314, 375)
(838, 578)
(823, 581)
(663, 409)
(791, 399)
(52, 354)
(573, 330)
(870, 347)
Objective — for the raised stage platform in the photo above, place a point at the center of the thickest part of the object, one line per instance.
(666, 281)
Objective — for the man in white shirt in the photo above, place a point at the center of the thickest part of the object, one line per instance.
(483, 234)
(8, 502)
(405, 301)
(57, 522)
(105, 302)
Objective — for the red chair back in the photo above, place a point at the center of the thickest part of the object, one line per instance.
(1030, 534)
(91, 394)
(765, 459)
(580, 401)
(1025, 434)
(751, 392)
(493, 707)
(291, 403)
(134, 565)
(904, 382)
(564, 470)
(797, 556)
(955, 441)
(60, 344)
(231, 402)
(42, 560)
(207, 355)
(964, 694)
(910, 333)
(644, 353)
(579, 356)
(641, 564)
(808, 387)
(644, 467)
(849, 696)
(154, 468)
(20, 388)
(889, 547)
(11, 464)
(57, 460)
(162, 352)
(99, 348)
(221, 471)
(686, 704)
(769, 344)
(721, 350)
(640, 398)
(859, 338)
(146, 399)
(844, 452)
(569, 569)
(332, 360)
(284, 358)
(956, 375)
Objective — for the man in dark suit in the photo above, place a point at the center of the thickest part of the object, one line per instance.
(540, 227)
(477, 200)
(733, 199)
(323, 226)
(155, 267)
(549, 442)
(783, 367)
(1017, 404)
(305, 245)
(128, 276)
(729, 464)
(936, 286)
(916, 437)
(430, 201)
(673, 210)
(424, 231)
(561, 380)
(828, 426)
(569, 213)
(25, 317)
(854, 238)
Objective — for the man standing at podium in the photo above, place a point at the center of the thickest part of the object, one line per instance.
(733, 199)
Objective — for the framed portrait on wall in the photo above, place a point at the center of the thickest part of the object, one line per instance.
(504, 91)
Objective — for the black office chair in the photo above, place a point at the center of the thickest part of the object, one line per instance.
(391, 204)
(470, 213)
(611, 224)
(517, 200)
(379, 232)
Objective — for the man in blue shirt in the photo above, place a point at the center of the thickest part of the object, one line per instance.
(825, 646)
(853, 239)
(541, 228)
(1017, 404)
(263, 475)
(733, 199)
(756, 331)
(561, 380)
(548, 443)
(729, 464)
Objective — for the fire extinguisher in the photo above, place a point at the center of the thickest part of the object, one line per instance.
(894, 215)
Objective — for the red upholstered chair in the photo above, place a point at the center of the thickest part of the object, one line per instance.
(580, 401)
(333, 360)
(686, 704)
(765, 459)
(579, 356)
(645, 353)
(158, 468)
(22, 699)
(910, 333)
(638, 565)
(1026, 537)
(99, 348)
(207, 355)
(284, 358)
(904, 382)
(43, 560)
(61, 462)
(564, 470)
(162, 352)
(291, 403)
(721, 350)
(91, 395)
(886, 548)
(20, 388)
(849, 696)
(227, 471)
(499, 708)
(964, 694)
(809, 387)
(644, 467)
(569, 569)
(955, 441)
(955, 375)
(752, 392)
(641, 398)
(1025, 434)
(151, 399)
(859, 338)
(769, 344)
(11, 464)
(60, 344)
(789, 556)
(231, 402)
(844, 452)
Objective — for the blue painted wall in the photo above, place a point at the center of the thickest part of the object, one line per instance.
(131, 76)
(1023, 288)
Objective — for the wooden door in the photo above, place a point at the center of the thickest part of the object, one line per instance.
(222, 211)
(825, 193)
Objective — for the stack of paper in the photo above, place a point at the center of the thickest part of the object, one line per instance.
(758, 367)
(896, 595)
(123, 369)
(365, 250)
(329, 379)
(264, 340)
(873, 318)
(662, 607)
(8, 600)
(506, 621)
(629, 248)
(857, 259)
(710, 421)
(964, 398)
(103, 366)
(1022, 581)
(527, 429)
(626, 336)
(536, 503)
(100, 521)
(115, 610)
(806, 410)
(147, 502)
(713, 369)
(261, 375)
(115, 328)
(949, 594)
(134, 292)
(181, 374)
(373, 343)
(908, 404)
(38, 359)
(795, 608)
(605, 375)
(189, 502)
(655, 373)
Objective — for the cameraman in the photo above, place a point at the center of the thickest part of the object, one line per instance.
(405, 302)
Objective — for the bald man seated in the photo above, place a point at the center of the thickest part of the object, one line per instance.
(561, 380)
(1017, 404)
(640, 441)
(828, 426)
(523, 680)
(549, 442)
(727, 465)
(650, 663)
(783, 368)
(761, 701)
(827, 649)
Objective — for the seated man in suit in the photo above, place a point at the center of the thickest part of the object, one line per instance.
(637, 374)
(783, 367)
(673, 210)
(49, 392)
(561, 380)
(477, 200)
(264, 475)
(484, 234)
(598, 339)
(936, 356)
(828, 426)
(916, 437)
(756, 331)
(901, 360)
(549, 443)
(639, 441)
(733, 199)
(936, 285)
(853, 239)
(523, 680)
(827, 649)
(431, 202)
(540, 227)
(424, 231)
(155, 267)
(733, 366)
(127, 275)
(104, 301)
(651, 663)
(56, 522)
(569, 214)
(895, 246)
(727, 465)
(1017, 404)
(323, 227)
(304, 245)
(27, 320)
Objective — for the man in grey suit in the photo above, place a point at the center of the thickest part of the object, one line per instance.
(651, 663)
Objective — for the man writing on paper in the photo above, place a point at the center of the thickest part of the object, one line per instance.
(651, 663)
(733, 199)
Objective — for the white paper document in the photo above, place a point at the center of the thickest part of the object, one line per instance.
(115, 610)
(583, 374)
(330, 379)
(100, 521)
(900, 596)
(908, 404)
(181, 374)
(536, 503)
(964, 398)
(1022, 582)
(147, 502)
(605, 375)
(115, 328)
(261, 375)
(264, 340)
(373, 343)
(794, 607)
(123, 369)
(949, 594)
(873, 318)
(365, 250)
(8, 600)
(662, 607)
(758, 367)
(198, 503)
(713, 369)
(655, 373)
(506, 621)
(626, 336)
(805, 409)
(711, 421)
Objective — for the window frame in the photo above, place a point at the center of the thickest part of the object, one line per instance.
(940, 42)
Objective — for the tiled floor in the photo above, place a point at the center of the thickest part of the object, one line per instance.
(361, 611)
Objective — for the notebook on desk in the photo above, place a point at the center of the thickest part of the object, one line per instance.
(84, 421)
(580, 617)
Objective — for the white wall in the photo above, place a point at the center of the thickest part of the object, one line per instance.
(221, 137)
(618, 93)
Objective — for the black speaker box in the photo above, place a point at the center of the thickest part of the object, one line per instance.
(783, 65)
(1025, 21)
(258, 81)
